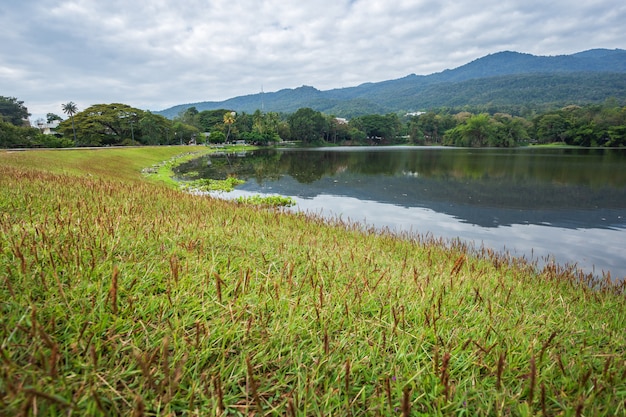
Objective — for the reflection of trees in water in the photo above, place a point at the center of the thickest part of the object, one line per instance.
(261, 165)
(307, 167)
(514, 178)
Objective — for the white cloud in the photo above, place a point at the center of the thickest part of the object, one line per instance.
(164, 52)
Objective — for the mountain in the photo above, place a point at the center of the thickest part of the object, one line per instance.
(500, 79)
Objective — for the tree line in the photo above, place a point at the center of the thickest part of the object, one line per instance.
(118, 124)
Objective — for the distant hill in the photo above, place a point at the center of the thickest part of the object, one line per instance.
(500, 79)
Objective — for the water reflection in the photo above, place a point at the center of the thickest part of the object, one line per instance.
(570, 204)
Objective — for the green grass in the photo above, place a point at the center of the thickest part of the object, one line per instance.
(113, 163)
(122, 295)
(267, 201)
(557, 145)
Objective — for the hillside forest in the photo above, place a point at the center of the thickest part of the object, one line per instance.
(119, 124)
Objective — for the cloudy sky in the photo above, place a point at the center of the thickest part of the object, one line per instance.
(153, 54)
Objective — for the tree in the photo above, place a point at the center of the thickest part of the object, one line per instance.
(12, 136)
(416, 136)
(476, 131)
(217, 136)
(106, 124)
(266, 128)
(434, 125)
(509, 130)
(183, 132)
(70, 109)
(379, 127)
(243, 123)
(338, 129)
(357, 135)
(307, 125)
(190, 117)
(13, 111)
(229, 119)
(51, 117)
(551, 127)
(154, 129)
(209, 120)
(616, 136)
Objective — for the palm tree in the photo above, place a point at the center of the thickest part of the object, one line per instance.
(229, 119)
(70, 109)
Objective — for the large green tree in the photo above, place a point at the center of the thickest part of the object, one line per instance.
(307, 125)
(208, 120)
(433, 125)
(105, 124)
(509, 131)
(13, 111)
(551, 127)
(338, 130)
(266, 128)
(379, 127)
(189, 116)
(476, 131)
(12, 136)
(183, 133)
(155, 129)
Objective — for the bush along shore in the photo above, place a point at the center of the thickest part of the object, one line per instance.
(121, 295)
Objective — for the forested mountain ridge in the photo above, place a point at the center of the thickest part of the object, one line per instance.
(501, 79)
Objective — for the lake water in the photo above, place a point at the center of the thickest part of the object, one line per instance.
(547, 205)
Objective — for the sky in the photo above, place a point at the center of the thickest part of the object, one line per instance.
(154, 54)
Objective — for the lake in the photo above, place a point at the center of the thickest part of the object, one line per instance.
(566, 206)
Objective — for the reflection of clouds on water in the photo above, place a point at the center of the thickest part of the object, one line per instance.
(561, 206)
(593, 250)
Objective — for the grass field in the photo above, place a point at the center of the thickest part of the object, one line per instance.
(122, 295)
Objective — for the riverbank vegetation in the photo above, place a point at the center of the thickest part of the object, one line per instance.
(122, 295)
(118, 124)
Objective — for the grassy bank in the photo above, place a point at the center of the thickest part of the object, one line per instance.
(120, 295)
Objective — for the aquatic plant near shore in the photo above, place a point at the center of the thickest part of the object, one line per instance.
(208, 184)
(267, 201)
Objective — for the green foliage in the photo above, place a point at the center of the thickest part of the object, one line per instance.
(103, 124)
(154, 129)
(616, 136)
(120, 124)
(476, 131)
(217, 136)
(509, 131)
(432, 126)
(13, 111)
(267, 201)
(266, 128)
(54, 141)
(51, 117)
(183, 133)
(377, 126)
(307, 125)
(593, 125)
(208, 120)
(71, 109)
(12, 136)
(208, 184)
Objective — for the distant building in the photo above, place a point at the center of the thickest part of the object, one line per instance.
(415, 113)
(49, 128)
